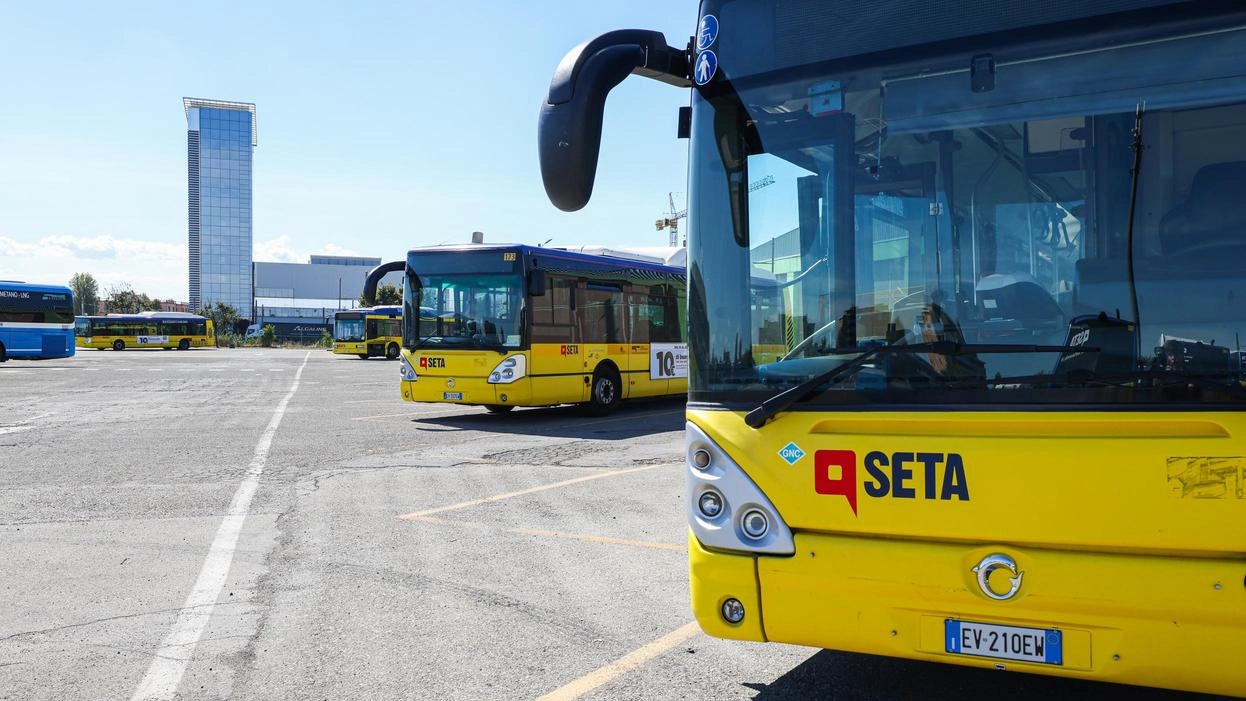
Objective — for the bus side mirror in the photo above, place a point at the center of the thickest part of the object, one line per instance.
(374, 279)
(536, 283)
(569, 129)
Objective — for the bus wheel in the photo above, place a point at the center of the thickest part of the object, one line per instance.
(363, 356)
(183, 344)
(391, 351)
(606, 391)
(4, 355)
(499, 408)
(118, 344)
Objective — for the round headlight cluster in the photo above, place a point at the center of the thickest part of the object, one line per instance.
(710, 504)
(755, 523)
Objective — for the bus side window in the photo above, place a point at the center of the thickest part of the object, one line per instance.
(552, 318)
(602, 313)
(639, 315)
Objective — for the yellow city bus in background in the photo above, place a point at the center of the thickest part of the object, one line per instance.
(1006, 430)
(368, 333)
(506, 325)
(144, 330)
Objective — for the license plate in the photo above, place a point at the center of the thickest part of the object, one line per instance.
(452, 396)
(1041, 645)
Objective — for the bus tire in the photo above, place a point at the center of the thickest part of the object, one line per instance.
(499, 408)
(4, 354)
(118, 345)
(391, 351)
(605, 392)
(183, 344)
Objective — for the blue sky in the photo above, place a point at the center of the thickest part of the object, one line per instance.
(381, 127)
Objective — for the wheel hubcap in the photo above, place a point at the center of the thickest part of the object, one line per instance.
(605, 391)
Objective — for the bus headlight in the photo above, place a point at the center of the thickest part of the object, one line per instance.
(509, 370)
(726, 509)
(407, 372)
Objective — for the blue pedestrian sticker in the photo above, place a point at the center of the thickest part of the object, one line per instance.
(791, 453)
(706, 66)
(707, 32)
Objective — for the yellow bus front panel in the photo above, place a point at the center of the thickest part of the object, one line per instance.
(1112, 528)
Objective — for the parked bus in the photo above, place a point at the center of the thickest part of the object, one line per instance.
(36, 321)
(507, 326)
(145, 330)
(991, 211)
(367, 333)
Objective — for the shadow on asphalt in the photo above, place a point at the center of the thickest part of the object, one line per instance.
(840, 676)
(633, 418)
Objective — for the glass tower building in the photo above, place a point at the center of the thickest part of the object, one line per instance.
(220, 141)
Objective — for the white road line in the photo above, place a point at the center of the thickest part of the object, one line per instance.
(175, 652)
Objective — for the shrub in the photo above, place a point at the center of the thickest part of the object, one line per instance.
(268, 335)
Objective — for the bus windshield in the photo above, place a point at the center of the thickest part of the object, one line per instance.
(465, 300)
(895, 205)
(348, 327)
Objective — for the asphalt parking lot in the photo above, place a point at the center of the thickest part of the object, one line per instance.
(278, 524)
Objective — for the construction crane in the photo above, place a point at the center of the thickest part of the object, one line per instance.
(671, 220)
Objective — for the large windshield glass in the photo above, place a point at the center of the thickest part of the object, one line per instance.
(895, 205)
(348, 328)
(465, 300)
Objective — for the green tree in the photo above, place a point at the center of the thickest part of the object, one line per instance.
(122, 299)
(86, 293)
(223, 316)
(385, 294)
(268, 335)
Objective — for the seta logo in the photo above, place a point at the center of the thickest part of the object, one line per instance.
(570, 349)
(938, 475)
(432, 363)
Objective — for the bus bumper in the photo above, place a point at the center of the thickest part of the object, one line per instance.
(350, 348)
(1125, 618)
(470, 390)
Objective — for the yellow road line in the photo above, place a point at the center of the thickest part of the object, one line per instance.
(621, 666)
(609, 540)
(434, 412)
(530, 490)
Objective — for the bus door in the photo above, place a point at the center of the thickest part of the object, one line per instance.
(557, 348)
(605, 332)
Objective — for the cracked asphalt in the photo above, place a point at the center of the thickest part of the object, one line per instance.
(391, 550)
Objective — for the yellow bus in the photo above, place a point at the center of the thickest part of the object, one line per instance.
(144, 330)
(507, 326)
(368, 333)
(981, 445)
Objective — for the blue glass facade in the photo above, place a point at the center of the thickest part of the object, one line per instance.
(220, 144)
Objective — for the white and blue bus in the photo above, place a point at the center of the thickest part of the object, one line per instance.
(36, 321)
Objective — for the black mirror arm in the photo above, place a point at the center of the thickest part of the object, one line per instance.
(374, 279)
(569, 132)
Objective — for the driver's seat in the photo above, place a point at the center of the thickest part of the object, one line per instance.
(1213, 213)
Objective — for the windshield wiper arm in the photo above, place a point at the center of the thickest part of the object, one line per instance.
(785, 399)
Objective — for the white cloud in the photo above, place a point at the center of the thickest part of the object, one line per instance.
(276, 250)
(156, 268)
(332, 249)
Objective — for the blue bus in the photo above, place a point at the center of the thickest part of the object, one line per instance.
(36, 321)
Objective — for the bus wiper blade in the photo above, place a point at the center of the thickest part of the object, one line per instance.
(785, 399)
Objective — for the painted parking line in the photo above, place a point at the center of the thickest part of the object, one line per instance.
(529, 490)
(429, 413)
(175, 652)
(623, 665)
(561, 535)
